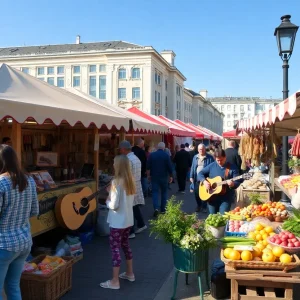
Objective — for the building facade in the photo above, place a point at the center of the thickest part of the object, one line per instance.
(118, 72)
(239, 108)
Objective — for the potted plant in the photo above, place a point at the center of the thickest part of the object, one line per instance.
(216, 224)
(294, 163)
(189, 237)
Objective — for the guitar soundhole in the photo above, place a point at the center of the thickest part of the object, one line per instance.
(84, 202)
(213, 186)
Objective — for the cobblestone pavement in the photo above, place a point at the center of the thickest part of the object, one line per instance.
(153, 267)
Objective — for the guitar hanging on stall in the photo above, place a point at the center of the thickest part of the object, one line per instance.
(217, 186)
(71, 210)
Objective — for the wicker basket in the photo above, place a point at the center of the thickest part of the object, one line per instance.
(47, 287)
(240, 264)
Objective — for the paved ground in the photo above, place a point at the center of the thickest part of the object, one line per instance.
(153, 268)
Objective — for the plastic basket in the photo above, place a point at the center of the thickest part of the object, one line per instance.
(228, 233)
(47, 287)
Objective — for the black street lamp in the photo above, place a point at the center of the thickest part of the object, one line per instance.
(285, 34)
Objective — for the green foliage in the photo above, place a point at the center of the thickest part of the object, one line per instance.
(255, 198)
(216, 220)
(181, 229)
(292, 224)
(294, 162)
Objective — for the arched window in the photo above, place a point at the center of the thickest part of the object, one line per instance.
(122, 73)
(136, 74)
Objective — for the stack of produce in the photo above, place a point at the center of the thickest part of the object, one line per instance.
(290, 182)
(257, 247)
(46, 266)
(292, 224)
(274, 211)
(257, 182)
(216, 220)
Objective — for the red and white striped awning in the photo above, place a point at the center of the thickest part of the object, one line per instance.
(286, 111)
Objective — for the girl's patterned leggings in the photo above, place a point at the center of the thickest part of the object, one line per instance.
(119, 239)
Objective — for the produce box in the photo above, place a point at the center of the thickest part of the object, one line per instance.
(265, 195)
(231, 233)
(50, 286)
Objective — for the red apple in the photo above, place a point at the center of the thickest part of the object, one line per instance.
(284, 237)
(272, 239)
(278, 241)
(294, 240)
(297, 244)
(291, 236)
(284, 244)
(291, 245)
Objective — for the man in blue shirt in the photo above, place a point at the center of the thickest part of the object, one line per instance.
(200, 161)
(159, 170)
(222, 202)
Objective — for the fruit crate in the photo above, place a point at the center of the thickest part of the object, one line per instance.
(50, 286)
(229, 233)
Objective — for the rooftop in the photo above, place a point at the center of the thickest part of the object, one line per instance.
(66, 48)
(242, 99)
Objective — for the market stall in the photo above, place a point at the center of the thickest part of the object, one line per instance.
(56, 135)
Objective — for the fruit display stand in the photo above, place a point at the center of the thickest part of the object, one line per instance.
(261, 284)
(264, 195)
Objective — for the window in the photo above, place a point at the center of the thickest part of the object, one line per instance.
(249, 106)
(228, 107)
(61, 82)
(102, 68)
(50, 80)
(61, 70)
(228, 116)
(166, 85)
(178, 92)
(25, 70)
(76, 69)
(41, 71)
(50, 70)
(157, 77)
(166, 104)
(228, 123)
(122, 93)
(234, 107)
(166, 101)
(102, 87)
(122, 73)
(93, 69)
(136, 93)
(136, 73)
(242, 108)
(222, 107)
(92, 86)
(76, 81)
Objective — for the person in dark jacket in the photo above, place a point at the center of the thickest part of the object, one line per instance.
(159, 171)
(232, 155)
(182, 160)
(139, 151)
(200, 161)
(222, 202)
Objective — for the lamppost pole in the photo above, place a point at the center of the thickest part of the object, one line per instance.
(285, 34)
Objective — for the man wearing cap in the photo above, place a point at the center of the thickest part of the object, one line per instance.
(159, 170)
(125, 148)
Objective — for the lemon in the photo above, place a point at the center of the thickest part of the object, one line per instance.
(285, 258)
(246, 255)
(227, 252)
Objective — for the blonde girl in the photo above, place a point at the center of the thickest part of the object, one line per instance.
(120, 219)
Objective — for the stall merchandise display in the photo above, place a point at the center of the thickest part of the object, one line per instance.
(46, 266)
(256, 182)
(292, 224)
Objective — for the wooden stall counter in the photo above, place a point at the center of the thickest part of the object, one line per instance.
(46, 220)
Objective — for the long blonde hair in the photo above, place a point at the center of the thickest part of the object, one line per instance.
(123, 174)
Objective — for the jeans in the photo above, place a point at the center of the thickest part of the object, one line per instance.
(219, 205)
(144, 181)
(200, 203)
(162, 184)
(138, 218)
(181, 178)
(11, 267)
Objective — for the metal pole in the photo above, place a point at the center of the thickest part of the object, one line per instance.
(285, 144)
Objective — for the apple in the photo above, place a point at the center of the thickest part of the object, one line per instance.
(297, 244)
(272, 239)
(291, 236)
(284, 244)
(291, 245)
(294, 240)
(278, 241)
(284, 237)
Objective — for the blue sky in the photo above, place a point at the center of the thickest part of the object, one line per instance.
(224, 46)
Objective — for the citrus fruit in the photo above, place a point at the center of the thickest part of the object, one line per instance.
(246, 255)
(269, 229)
(272, 233)
(259, 237)
(262, 232)
(267, 250)
(227, 252)
(265, 236)
(261, 247)
(259, 227)
(277, 251)
(265, 243)
(256, 252)
(235, 255)
(268, 257)
(251, 235)
(270, 247)
(285, 258)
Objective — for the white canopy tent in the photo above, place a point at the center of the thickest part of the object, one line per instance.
(24, 97)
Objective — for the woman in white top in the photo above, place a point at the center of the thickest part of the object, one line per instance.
(120, 219)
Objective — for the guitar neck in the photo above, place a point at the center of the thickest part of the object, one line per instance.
(91, 197)
(233, 179)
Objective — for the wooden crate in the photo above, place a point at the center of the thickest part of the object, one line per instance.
(265, 195)
(261, 284)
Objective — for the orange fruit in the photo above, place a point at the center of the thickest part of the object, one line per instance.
(259, 237)
(259, 227)
(277, 251)
(269, 229)
(262, 232)
(227, 252)
(268, 257)
(285, 258)
(256, 252)
(261, 247)
(235, 255)
(265, 242)
(246, 255)
(265, 236)
(251, 235)
(266, 250)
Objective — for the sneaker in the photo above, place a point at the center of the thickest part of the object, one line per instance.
(139, 230)
(155, 213)
(132, 236)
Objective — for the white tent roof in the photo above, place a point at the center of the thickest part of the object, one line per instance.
(23, 96)
(138, 123)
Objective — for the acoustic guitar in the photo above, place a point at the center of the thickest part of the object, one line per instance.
(71, 210)
(217, 186)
